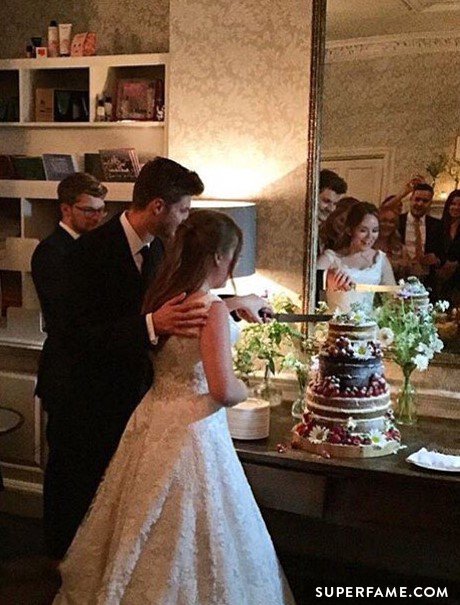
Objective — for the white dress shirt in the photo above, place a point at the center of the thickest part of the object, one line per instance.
(69, 230)
(410, 234)
(135, 245)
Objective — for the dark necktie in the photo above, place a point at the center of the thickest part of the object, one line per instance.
(151, 258)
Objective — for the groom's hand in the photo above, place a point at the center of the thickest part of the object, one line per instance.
(180, 317)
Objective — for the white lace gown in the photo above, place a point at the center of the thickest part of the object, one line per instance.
(174, 522)
(380, 272)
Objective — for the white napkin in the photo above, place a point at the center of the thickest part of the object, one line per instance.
(435, 459)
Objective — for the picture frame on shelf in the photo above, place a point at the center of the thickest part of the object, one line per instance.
(58, 166)
(140, 99)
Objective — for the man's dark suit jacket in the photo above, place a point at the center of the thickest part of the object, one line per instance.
(49, 276)
(434, 237)
(109, 371)
(433, 242)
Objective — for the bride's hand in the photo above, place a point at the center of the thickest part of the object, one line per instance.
(251, 308)
(180, 317)
(339, 281)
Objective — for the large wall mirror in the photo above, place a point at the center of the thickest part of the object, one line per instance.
(389, 120)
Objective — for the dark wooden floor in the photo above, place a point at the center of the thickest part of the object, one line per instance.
(27, 579)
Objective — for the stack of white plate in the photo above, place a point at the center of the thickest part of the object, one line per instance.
(249, 419)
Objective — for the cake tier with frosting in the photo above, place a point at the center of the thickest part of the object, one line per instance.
(348, 403)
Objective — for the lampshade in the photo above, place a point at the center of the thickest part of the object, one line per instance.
(244, 215)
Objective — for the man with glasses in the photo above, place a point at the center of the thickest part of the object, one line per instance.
(81, 202)
(82, 208)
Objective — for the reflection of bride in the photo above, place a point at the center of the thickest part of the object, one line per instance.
(356, 261)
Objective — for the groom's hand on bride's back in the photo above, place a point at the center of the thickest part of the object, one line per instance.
(180, 317)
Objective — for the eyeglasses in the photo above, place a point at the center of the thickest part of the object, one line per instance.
(88, 211)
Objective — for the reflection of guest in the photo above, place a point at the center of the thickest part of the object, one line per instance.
(448, 275)
(395, 202)
(422, 234)
(331, 189)
(331, 230)
(389, 241)
(356, 261)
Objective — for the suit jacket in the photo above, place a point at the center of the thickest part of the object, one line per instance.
(434, 236)
(433, 244)
(111, 369)
(49, 277)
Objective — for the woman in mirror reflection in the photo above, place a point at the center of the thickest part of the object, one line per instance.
(355, 260)
(448, 276)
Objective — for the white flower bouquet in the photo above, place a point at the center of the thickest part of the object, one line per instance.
(408, 333)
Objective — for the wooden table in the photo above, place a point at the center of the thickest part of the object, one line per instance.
(382, 512)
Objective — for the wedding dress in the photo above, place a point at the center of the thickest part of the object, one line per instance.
(379, 272)
(174, 521)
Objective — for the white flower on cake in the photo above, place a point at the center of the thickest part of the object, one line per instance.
(421, 362)
(386, 337)
(377, 438)
(351, 424)
(314, 366)
(361, 351)
(318, 434)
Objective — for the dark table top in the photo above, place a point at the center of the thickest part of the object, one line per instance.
(428, 431)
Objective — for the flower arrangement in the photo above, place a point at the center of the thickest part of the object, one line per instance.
(408, 333)
(266, 347)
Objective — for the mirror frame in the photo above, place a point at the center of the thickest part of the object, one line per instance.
(318, 50)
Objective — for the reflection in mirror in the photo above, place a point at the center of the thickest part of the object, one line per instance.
(390, 135)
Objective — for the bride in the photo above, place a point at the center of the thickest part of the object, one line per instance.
(355, 260)
(174, 521)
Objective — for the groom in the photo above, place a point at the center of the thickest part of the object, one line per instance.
(108, 339)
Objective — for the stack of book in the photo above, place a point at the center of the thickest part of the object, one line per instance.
(49, 167)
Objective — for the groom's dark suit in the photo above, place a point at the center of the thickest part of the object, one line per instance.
(108, 346)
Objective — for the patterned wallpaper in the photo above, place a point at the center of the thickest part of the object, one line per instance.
(238, 112)
(124, 26)
(406, 102)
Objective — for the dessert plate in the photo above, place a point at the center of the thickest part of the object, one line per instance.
(435, 461)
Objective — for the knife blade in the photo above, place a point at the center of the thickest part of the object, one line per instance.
(300, 317)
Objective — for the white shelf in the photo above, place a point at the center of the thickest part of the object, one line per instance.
(76, 62)
(126, 124)
(46, 190)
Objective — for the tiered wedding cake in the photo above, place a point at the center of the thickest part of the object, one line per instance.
(348, 404)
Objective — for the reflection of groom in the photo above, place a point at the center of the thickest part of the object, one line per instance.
(108, 340)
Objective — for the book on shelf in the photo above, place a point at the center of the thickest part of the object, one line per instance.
(28, 168)
(120, 164)
(93, 165)
(58, 165)
(7, 170)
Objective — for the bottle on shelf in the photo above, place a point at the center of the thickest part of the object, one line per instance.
(100, 109)
(53, 39)
(108, 108)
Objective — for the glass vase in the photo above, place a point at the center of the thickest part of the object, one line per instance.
(268, 391)
(406, 412)
(298, 405)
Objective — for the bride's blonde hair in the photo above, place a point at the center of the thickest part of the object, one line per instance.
(191, 257)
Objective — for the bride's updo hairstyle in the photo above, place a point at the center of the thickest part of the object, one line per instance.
(354, 218)
(191, 256)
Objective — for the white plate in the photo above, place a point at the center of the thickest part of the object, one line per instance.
(430, 467)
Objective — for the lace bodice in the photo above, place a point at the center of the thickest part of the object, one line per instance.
(178, 365)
